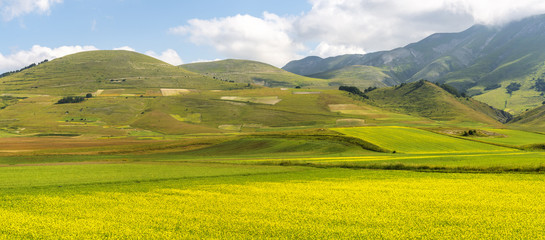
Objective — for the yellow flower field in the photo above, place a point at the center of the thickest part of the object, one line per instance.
(316, 203)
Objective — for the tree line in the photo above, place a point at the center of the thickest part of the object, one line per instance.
(25, 68)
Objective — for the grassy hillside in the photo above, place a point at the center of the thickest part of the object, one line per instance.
(244, 71)
(475, 60)
(197, 111)
(88, 72)
(359, 76)
(519, 101)
(532, 119)
(426, 99)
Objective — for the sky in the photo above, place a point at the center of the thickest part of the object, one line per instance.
(274, 32)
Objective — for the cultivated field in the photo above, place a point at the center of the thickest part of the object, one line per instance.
(291, 184)
(157, 152)
(191, 200)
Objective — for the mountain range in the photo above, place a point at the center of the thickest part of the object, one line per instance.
(481, 61)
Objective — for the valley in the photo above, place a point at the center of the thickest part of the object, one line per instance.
(242, 149)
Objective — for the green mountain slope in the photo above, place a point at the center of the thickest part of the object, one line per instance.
(428, 100)
(358, 76)
(90, 71)
(532, 120)
(244, 71)
(477, 60)
(434, 56)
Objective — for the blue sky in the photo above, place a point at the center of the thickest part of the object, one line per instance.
(274, 32)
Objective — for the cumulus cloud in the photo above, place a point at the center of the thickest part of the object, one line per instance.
(10, 9)
(265, 38)
(381, 25)
(378, 25)
(348, 26)
(327, 50)
(497, 12)
(169, 56)
(37, 54)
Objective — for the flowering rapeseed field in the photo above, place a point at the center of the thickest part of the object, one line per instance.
(305, 204)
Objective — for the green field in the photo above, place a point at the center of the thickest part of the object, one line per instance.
(514, 137)
(413, 140)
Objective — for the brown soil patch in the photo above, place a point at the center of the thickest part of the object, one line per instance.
(58, 164)
(24, 144)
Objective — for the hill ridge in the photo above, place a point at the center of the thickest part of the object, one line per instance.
(426, 99)
(253, 72)
(104, 69)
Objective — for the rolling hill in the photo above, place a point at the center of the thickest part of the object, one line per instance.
(141, 97)
(428, 100)
(481, 60)
(90, 71)
(244, 71)
(358, 76)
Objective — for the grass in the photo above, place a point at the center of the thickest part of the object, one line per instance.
(114, 172)
(514, 138)
(500, 162)
(516, 103)
(412, 140)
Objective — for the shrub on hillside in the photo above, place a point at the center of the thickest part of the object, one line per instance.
(353, 90)
(513, 87)
(539, 85)
(71, 99)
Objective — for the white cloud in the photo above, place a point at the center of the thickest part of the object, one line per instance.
(494, 12)
(382, 25)
(377, 25)
(37, 54)
(10, 9)
(169, 56)
(326, 50)
(243, 36)
(204, 60)
(125, 48)
(348, 26)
